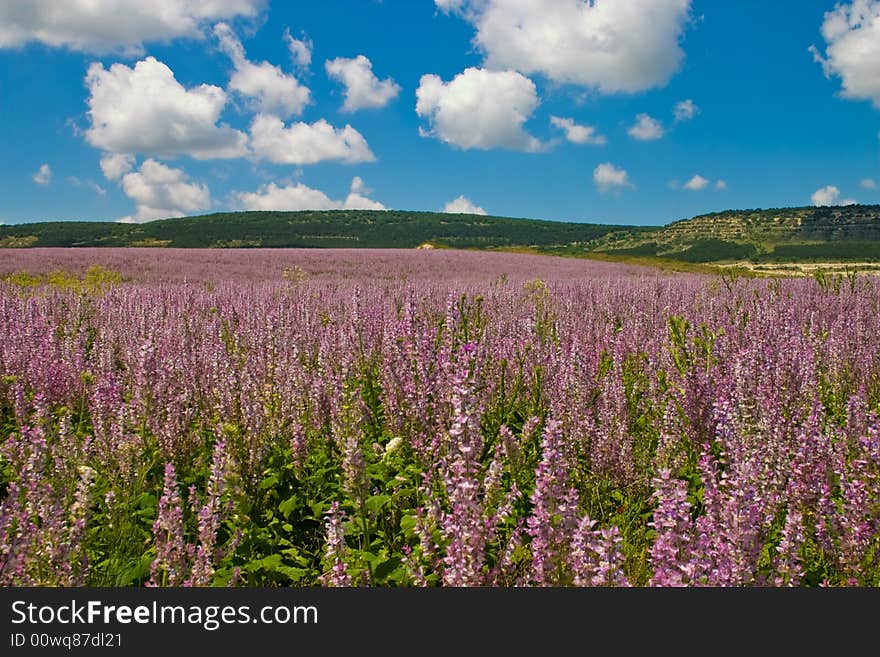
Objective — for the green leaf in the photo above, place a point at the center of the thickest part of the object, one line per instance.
(146, 501)
(375, 503)
(136, 571)
(287, 506)
(382, 569)
(270, 563)
(408, 525)
(269, 482)
(291, 572)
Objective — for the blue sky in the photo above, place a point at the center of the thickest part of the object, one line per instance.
(196, 106)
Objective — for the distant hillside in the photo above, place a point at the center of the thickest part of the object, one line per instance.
(808, 234)
(786, 235)
(314, 229)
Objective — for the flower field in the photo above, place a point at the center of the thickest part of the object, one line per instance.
(354, 418)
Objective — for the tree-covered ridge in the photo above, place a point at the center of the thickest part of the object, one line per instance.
(318, 229)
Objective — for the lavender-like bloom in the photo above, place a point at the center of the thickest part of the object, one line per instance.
(461, 525)
(79, 514)
(789, 563)
(554, 511)
(609, 569)
(585, 548)
(210, 517)
(335, 551)
(169, 568)
(670, 553)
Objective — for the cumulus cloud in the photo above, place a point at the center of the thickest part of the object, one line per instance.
(266, 85)
(610, 178)
(363, 90)
(868, 183)
(577, 134)
(825, 196)
(696, 183)
(302, 197)
(685, 110)
(646, 128)
(160, 191)
(479, 109)
(357, 198)
(43, 176)
(307, 143)
(462, 205)
(852, 48)
(115, 25)
(720, 185)
(300, 50)
(116, 165)
(608, 45)
(145, 110)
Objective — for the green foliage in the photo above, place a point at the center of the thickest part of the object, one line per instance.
(22, 279)
(95, 280)
(835, 282)
(314, 229)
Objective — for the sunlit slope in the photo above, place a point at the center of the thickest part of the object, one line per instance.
(850, 233)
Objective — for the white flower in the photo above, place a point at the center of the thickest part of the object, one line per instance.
(393, 445)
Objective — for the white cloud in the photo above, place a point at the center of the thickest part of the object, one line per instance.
(696, 183)
(825, 196)
(868, 183)
(479, 109)
(146, 110)
(646, 128)
(450, 5)
(462, 205)
(112, 25)
(115, 165)
(302, 197)
(609, 177)
(358, 186)
(849, 201)
(300, 50)
(161, 192)
(720, 185)
(363, 90)
(577, 134)
(685, 110)
(609, 45)
(307, 143)
(43, 176)
(357, 198)
(852, 48)
(265, 84)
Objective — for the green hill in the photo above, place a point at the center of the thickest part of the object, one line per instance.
(785, 235)
(808, 234)
(314, 229)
